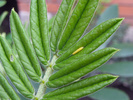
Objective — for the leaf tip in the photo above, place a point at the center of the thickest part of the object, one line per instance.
(118, 50)
(13, 10)
(120, 19)
(115, 76)
(115, 50)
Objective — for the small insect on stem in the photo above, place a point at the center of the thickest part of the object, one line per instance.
(78, 50)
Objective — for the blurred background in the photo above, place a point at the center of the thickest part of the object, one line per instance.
(121, 64)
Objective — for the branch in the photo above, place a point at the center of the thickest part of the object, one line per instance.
(42, 87)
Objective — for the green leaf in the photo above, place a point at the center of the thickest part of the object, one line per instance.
(2, 3)
(80, 67)
(2, 70)
(5, 86)
(60, 22)
(3, 93)
(2, 17)
(124, 69)
(109, 13)
(81, 88)
(39, 30)
(109, 93)
(91, 41)
(14, 70)
(24, 48)
(126, 50)
(9, 38)
(50, 24)
(77, 23)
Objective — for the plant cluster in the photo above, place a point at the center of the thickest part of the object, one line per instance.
(66, 54)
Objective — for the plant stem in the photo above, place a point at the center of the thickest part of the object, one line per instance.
(42, 87)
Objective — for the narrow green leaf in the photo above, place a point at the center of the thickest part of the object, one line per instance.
(7, 88)
(111, 12)
(9, 38)
(50, 24)
(2, 17)
(24, 48)
(81, 88)
(39, 30)
(14, 70)
(2, 70)
(78, 22)
(92, 40)
(123, 69)
(60, 22)
(108, 93)
(3, 94)
(80, 68)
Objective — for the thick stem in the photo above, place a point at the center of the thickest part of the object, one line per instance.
(42, 87)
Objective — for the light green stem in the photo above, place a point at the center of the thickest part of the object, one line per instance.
(42, 87)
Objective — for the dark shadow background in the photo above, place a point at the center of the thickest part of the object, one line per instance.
(7, 7)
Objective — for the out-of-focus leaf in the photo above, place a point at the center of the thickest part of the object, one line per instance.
(81, 88)
(39, 30)
(2, 3)
(80, 68)
(5, 86)
(60, 22)
(110, 94)
(2, 17)
(78, 22)
(124, 69)
(126, 50)
(24, 48)
(105, 1)
(109, 13)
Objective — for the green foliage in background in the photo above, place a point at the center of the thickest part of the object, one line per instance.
(2, 17)
(109, 93)
(2, 3)
(4, 14)
(66, 54)
(105, 1)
